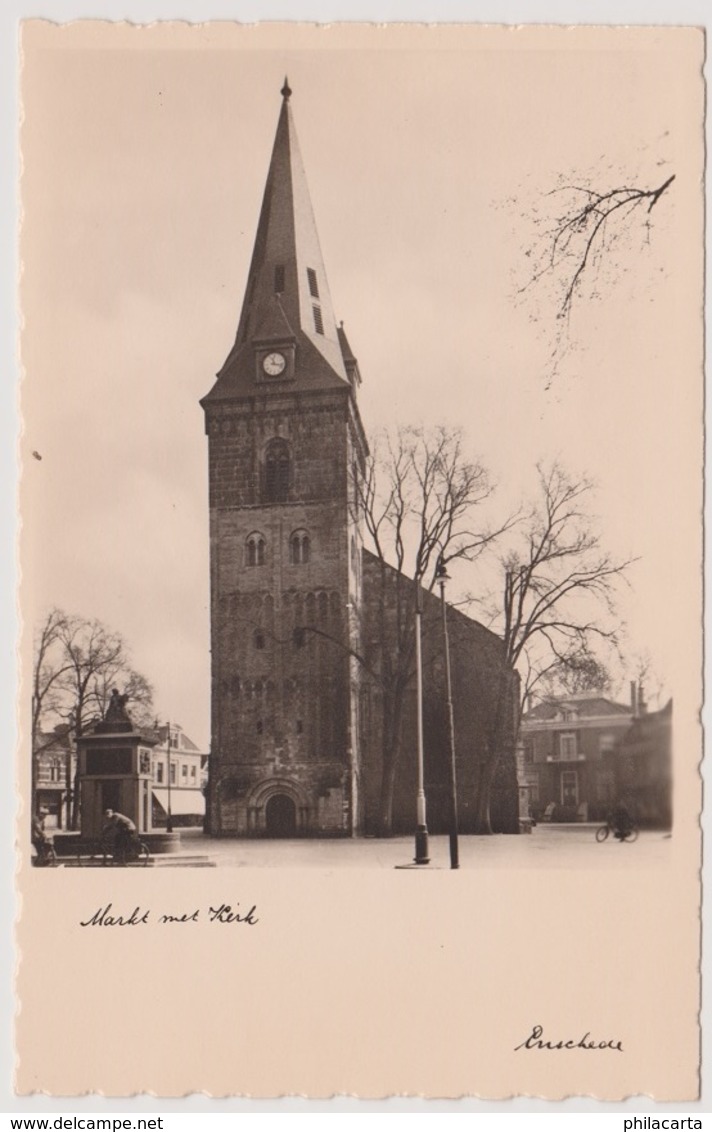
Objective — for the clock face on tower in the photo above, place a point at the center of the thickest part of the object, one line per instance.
(274, 364)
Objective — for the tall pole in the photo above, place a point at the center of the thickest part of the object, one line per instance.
(169, 816)
(422, 854)
(68, 779)
(454, 850)
(35, 807)
(70, 770)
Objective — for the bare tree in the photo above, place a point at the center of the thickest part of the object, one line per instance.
(577, 251)
(649, 682)
(50, 670)
(77, 662)
(577, 674)
(585, 228)
(133, 685)
(557, 609)
(420, 499)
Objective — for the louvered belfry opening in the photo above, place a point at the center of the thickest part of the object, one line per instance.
(277, 471)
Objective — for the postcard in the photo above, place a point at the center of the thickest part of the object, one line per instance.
(361, 561)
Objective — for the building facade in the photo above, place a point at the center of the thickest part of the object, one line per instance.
(55, 768)
(568, 747)
(643, 768)
(179, 771)
(295, 732)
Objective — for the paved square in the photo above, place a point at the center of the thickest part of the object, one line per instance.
(547, 847)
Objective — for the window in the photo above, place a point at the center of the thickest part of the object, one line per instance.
(279, 279)
(299, 638)
(300, 727)
(184, 771)
(606, 742)
(299, 547)
(313, 284)
(259, 639)
(173, 774)
(318, 320)
(277, 471)
(159, 772)
(255, 549)
(260, 727)
(528, 753)
(192, 772)
(567, 745)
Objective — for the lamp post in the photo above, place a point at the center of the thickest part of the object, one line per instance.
(169, 816)
(422, 854)
(442, 577)
(353, 799)
(218, 808)
(69, 769)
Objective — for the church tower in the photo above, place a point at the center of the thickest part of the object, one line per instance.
(286, 446)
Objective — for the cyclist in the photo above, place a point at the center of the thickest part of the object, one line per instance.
(120, 831)
(620, 821)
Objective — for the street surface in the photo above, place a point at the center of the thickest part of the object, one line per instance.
(547, 847)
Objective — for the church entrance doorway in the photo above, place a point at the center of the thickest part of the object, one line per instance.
(281, 816)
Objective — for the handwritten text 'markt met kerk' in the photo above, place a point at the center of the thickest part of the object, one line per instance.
(106, 917)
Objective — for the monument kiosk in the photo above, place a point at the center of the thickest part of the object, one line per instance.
(115, 771)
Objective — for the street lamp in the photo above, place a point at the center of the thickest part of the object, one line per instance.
(216, 828)
(422, 855)
(442, 577)
(169, 815)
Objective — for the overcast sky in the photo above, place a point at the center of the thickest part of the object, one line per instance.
(145, 160)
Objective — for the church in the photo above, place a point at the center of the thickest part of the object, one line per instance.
(296, 718)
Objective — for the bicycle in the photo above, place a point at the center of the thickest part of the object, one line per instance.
(630, 834)
(136, 853)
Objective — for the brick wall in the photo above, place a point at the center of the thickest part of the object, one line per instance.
(475, 664)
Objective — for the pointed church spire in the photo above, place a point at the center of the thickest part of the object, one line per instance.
(287, 305)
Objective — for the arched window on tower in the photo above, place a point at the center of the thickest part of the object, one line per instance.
(255, 548)
(277, 471)
(299, 548)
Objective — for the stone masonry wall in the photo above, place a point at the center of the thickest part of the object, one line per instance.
(475, 658)
(281, 669)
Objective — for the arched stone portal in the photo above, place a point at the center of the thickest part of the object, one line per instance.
(278, 807)
(281, 816)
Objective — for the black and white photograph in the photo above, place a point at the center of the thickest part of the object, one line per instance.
(361, 502)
